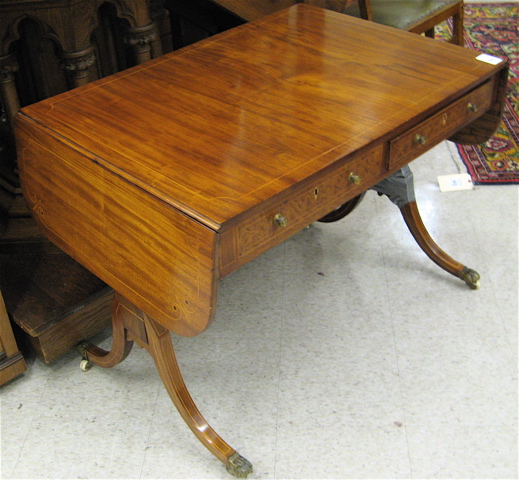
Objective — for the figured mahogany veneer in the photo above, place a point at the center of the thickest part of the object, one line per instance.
(166, 177)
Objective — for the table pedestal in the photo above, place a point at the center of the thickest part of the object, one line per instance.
(130, 324)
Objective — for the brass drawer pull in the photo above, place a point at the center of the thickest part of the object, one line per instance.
(420, 139)
(471, 107)
(280, 220)
(354, 178)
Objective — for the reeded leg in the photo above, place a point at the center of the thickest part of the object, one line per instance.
(434, 252)
(132, 324)
(161, 349)
(399, 189)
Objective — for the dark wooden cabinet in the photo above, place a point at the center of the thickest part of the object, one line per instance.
(48, 47)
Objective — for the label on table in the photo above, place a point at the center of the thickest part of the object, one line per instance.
(484, 57)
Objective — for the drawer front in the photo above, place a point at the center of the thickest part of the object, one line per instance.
(437, 128)
(276, 221)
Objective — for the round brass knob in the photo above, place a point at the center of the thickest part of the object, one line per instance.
(280, 220)
(420, 139)
(354, 178)
(471, 107)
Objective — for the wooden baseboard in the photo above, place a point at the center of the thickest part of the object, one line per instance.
(12, 363)
(11, 367)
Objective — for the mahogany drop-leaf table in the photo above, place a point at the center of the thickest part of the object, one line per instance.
(166, 177)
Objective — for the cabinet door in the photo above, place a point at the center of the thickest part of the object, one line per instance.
(12, 363)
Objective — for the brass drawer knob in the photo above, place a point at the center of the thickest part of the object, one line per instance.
(354, 178)
(471, 107)
(420, 139)
(280, 220)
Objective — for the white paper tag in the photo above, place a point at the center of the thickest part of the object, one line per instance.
(459, 181)
(485, 57)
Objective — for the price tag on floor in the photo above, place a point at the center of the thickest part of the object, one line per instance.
(459, 181)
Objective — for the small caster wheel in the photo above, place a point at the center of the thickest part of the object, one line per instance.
(85, 365)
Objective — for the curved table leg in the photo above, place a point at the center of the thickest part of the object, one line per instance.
(161, 349)
(121, 345)
(399, 188)
(345, 209)
(434, 252)
(132, 324)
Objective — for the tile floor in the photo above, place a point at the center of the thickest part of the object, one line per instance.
(342, 353)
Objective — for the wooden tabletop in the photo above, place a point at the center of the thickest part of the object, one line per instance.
(217, 128)
(166, 177)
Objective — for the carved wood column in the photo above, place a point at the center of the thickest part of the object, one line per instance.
(141, 39)
(77, 66)
(8, 93)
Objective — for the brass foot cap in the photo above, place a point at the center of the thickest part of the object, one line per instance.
(238, 466)
(471, 277)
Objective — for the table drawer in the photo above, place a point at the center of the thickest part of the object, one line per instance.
(271, 223)
(419, 139)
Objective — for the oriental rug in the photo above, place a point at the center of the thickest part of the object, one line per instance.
(494, 29)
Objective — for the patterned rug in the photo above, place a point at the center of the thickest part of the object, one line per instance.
(494, 29)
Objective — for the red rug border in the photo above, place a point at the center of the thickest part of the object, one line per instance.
(466, 151)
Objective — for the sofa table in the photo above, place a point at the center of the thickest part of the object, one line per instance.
(166, 177)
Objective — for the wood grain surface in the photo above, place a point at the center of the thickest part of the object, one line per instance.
(163, 178)
(219, 127)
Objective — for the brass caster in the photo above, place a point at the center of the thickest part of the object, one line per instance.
(238, 466)
(82, 348)
(85, 365)
(471, 277)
